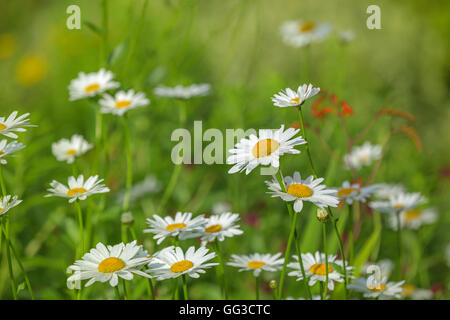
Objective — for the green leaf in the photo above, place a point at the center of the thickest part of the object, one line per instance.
(117, 53)
(20, 287)
(92, 27)
(366, 250)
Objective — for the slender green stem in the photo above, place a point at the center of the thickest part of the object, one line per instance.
(150, 289)
(81, 229)
(176, 293)
(287, 254)
(125, 291)
(341, 248)
(324, 231)
(129, 157)
(350, 233)
(221, 270)
(257, 288)
(2, 182)
(300, 115)
(399, 244)
(117, 293)
(8, 258)
(105, 49)
(185, 290)
(74, 169)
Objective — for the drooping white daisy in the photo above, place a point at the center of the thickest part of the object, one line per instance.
(11, 124)
(221, 226)
(263, 150)
(122, 102)
(182, 92)
(7, 203)
(147, 186)
(172, 262)
(362, 155)
(386, 190)
(299, 190)
(257, 262)
(410, 291)
(399, 202)
(290, 98)
(91, 84)
(354, 192)
(221, 207)
(108, 263)
(299, 33)
(67, 150)
(315, 269)
(77, 188)
(414, 218)
(182, 226)
(381, 289)
(7, 148)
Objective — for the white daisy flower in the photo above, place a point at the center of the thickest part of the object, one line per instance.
(384, 266)
(7, 148)
(414, 218)
(7, 203)
(171, 262)
(67, 150)
(221, 226)
(122, 102)
(315, 269)
(354, 192)
(377, 289)
(290, 98)
(221, 207)
(314, 297)
(77, 188)
(257, 262)
(410, 291)
(299, 190)
(11, 124)
(400, 202)
(386, 190)
(263, 150)
(108, 263)
(182, 226)
(347, 36)
(182, 92)
(362, 155)
(91, 84)
(147, 186)
(299, 33)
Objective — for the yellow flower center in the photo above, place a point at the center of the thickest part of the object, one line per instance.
(306, 26)
(181, 266)
(364, 158)
(265, 148)
(412, 214)
(2, 126)
(347, 191)
(1, 152)
(75, 191)
(399, 206)
(299, 190)
(214, 228)
(174, 226)
(377, 287)
(295, 100)
(123, 104)
(408, 289)
(255, 264)
(1, 210)
(110, 265)
(92, 87)
(71, 152)
(320, 269)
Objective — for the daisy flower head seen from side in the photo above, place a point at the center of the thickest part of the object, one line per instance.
(183, 92)
(398, 203)
(257, 262)
(381, 289)
(108, 264)
(299, 190)
(91, 84)
(354, 192)
(362, 155)
(172, 262)
(315, 269)
(299, 33)
(67, 150)
(386, 190)
(14, 124)
(6, 149)
(265, 149)
(414, 218)
(410, 291)
(221, 226)
(8, 202)
(77, 188)
(291, 98)
(182, 226)
(122, 102)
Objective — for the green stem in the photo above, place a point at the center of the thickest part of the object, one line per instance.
(81, 229)
(221, 270)
(8, 258)
(185, 291)
(341, 248)
(125, 291)
(300, 115)
(351, 236)
(257, 288)
(399, 244)
(129, 157)
(2, 182)
(117, 293)
(324, 231)
(150, 289)
(104, 50)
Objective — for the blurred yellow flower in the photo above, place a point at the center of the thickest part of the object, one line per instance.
(8, 45)
(31, 69)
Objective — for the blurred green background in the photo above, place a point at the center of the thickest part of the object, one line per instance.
(235, 46)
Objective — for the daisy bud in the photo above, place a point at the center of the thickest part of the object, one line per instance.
(273, 284)
(127, 218)
(322, 215)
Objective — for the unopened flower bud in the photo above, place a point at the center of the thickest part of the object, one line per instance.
(127, 218)
(322, 214)
(273, 284)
